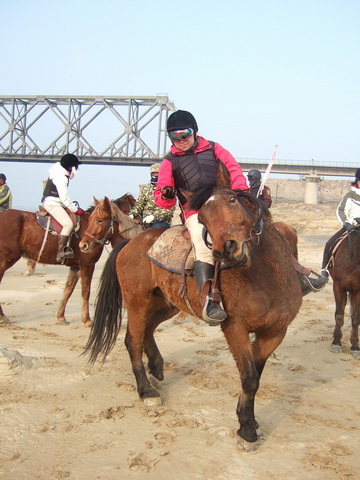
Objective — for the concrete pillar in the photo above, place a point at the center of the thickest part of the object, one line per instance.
(312, 188)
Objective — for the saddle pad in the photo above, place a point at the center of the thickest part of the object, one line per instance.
(173, 251)
(55, 227)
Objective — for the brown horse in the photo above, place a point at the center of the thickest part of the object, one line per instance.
(259, 287)
(345, 272)
(124, 203)
(21, 235)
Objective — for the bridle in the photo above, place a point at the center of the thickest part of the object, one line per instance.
(256, 230)
(110, 231)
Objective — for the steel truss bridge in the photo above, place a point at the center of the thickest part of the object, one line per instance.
(98, 129)
(109, 130)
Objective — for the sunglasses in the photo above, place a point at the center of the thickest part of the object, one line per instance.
(182, 134)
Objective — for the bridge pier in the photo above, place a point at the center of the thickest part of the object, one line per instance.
(312, 188)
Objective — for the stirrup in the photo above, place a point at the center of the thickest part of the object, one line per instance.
(316, 284)
(218, 317)
(324, 272)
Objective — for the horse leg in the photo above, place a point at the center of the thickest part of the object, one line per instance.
(155, 360)
(70, 284)
(86, 274)
(239, 344)
(134, 342)
(340, 296)
(355, 319)
(31, 265)
(250, 359)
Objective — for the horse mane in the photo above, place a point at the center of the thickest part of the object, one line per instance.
(130, 225)
(199, 196)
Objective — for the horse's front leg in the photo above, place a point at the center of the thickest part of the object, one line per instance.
(355, 320)
(239, 344)
(86, 274)
(70, 284)
(134, 341)
(340, 296)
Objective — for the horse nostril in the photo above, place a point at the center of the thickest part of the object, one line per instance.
(230, 246)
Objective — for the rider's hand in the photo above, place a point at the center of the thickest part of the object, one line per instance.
(348, 227)
(357, 220)
(168, 193)
(148, 219)
(79, 211)
(131, 216)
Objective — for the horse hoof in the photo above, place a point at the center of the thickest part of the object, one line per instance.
(248, 447)
(355, 353)
(61, 321)
(153, 402)
(335, 348)
(4, 320)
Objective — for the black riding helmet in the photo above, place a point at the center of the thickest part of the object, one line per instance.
(2, 177)
(70, 160)
(357, 174)
(181, 119)
(254, 174)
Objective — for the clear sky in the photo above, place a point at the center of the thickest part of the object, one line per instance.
(255, 73)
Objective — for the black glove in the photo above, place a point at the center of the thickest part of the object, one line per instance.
(168, 193)
(348, 227)
(357, 220)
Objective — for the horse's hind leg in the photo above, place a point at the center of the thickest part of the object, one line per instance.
(340, 296)
(155, 360)
(134, 345)
(355, 320)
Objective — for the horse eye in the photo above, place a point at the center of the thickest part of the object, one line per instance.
(232, 199)
(100, 220)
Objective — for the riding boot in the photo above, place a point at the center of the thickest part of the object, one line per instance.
(312, 284)
(63, 250)
(213, 312)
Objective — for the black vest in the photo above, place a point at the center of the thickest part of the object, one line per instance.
(193, 170)
(50, 190)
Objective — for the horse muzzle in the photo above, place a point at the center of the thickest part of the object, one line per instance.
(233, 254)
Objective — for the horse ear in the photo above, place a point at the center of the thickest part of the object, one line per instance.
(106, 202)
(222, 175)
(96, 201)
(186, 194)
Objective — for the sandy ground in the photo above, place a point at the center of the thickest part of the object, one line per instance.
(62, 419)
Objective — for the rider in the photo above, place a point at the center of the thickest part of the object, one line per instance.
(5, 194)
(191, 163)
(56, 199)
(146, 207)
(254, 179)
(348, 213)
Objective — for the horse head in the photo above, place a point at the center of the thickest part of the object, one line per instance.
(106, 222)
(233, 221)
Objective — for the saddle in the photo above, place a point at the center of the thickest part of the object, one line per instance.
(335, 249)
(47, 222)
(174, 252)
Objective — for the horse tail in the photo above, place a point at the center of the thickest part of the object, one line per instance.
(108, 310)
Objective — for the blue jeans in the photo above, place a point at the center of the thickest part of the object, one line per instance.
(160, 224)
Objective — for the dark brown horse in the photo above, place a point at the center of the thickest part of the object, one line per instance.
(345, 272)
(22, 236)
(124, 203)
(259, 288)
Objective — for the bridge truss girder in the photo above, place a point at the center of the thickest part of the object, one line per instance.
(98, 129)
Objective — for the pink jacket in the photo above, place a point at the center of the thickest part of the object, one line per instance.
(166, 179)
